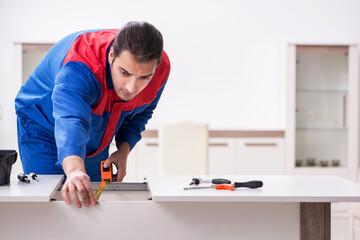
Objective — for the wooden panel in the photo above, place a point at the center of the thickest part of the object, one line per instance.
(229, 134)
(36, 47)
(150, 133)
(243, 134)
(322, 49)
(210, 145)
(315, 221)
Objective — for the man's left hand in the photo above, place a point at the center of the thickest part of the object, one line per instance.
(119, 158)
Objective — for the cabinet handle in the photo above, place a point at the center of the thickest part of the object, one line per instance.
(218, 144)
(152, 144)
(344, 112)
(260, 144)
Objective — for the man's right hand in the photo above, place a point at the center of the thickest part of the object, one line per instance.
(77, 179)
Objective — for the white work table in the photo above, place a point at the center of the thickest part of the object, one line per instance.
(286, 207)
(275, 189)
(34, 191)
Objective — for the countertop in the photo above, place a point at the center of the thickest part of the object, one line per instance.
(279, 188)
(170, 188)
(40, 191)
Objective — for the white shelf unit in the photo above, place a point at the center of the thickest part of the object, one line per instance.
(323, 119)
(322, 109)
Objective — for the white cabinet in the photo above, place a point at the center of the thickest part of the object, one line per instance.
(222, 156)
(322, 133)
(260, 156)
(247, 156)
(341, 221)
(356, 228)
(227, 156)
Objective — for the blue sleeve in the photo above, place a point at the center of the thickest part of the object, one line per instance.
(76, 90)
(132, 127)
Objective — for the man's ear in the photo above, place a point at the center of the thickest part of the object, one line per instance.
(111, 55)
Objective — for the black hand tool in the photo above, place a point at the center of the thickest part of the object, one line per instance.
(34, 176)
(197, 181)
(23, 178)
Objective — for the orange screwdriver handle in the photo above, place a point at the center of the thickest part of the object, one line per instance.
(225, 187)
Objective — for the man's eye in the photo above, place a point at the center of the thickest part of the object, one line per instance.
(144, 78)
(124, 73)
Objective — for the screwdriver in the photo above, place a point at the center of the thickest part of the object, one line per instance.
(197, 181)
(23, 178)
(34, 176)
(231, 187)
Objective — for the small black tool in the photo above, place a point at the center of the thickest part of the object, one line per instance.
(34, 176)
(197, 181)
(23, 178)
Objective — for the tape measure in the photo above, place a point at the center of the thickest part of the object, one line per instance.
(106, 177)
(106, 173)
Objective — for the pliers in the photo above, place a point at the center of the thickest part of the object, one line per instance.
(197, 181)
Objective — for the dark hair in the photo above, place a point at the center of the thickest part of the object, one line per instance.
(141, 39)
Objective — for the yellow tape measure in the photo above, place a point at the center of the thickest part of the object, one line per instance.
(100, 189)
(106, 177)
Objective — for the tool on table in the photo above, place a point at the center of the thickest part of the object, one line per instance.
(34, 176)
(197, 181)
(23, 178)
(106, 177)
(250, 184)
(217, 187)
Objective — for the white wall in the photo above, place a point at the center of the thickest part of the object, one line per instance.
(228, 56)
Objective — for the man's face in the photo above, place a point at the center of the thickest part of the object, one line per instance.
(130, 77)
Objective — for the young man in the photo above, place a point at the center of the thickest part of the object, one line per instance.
(91, 86)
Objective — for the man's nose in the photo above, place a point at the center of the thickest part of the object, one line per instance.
(131, 84)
